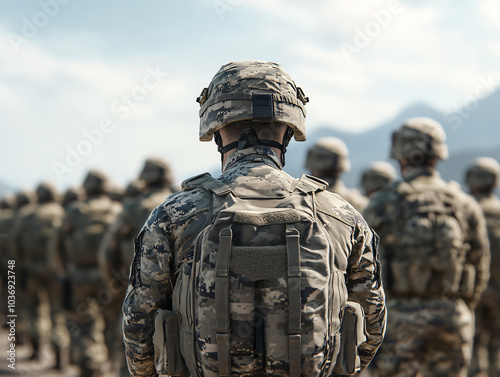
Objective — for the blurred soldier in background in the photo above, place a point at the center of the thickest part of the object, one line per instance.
(327, 159)
(482, 179)
(117, 249)
(377, 177)
(79, 237)
(72, 194)
(25, 202)
(133, 190)
(435, 259)
(34, 239)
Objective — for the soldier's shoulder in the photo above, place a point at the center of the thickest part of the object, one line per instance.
(336, 207)
(183, 204)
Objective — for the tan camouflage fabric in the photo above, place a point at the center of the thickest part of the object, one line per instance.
(116, 253)
(79, 237)
(486, 359)
(231, 97)
(353, 196)
(168, 238)
(430, 326)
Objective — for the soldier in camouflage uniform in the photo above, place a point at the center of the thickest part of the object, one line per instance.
(35, 239)
(25, 203)
(251, 109)
(327, 159)
(482, 179)
(435, 256)
(377, 177)
(117, 248)
(72, 194)
(82, 230)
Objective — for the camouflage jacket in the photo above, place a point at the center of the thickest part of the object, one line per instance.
(490, 204)
(384, 214)
(169, 235)
(353, 196)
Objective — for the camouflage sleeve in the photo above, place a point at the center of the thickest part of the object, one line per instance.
(479, 252)
(364, 286)
(150, 288)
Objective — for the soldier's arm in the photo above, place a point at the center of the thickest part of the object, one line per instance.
(109, 250)
(149, 289)
(365, 287)
(479, 253)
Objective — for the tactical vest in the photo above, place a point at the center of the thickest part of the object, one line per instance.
(429, 255)
(257, 295)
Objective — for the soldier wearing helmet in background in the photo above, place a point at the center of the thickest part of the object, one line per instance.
(72, 195)
(25, 202)
(482, 179)
(34, 240)
(82, 230)
(327, 159)
(134, 189)
(117, 248)
(435, 257)
(252, 109)
(377, 177)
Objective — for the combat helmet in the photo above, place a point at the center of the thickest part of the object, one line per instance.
(328, 154)
(252, 91)
(46, 192)
(96, 182)
(156, 171)
(377, 176)
(483, 174)
(419, 139)
(24, 198)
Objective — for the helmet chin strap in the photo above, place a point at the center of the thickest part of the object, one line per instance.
(249, 138)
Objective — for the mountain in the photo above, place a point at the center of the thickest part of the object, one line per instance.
(469, 134)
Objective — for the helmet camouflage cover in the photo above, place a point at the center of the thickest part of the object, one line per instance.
(251, 90)
(418, 138)
(483, 174)
(328, 154)
(96, 181)
(46, 191)
(377, 176)
(156, 170)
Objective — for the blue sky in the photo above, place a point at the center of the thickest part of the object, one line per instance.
(134, 69)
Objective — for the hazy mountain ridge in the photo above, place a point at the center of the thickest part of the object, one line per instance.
(469, 134)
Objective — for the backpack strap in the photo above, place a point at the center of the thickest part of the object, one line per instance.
(294, 302)
(208, 183)
(308, 184)
(222, 282)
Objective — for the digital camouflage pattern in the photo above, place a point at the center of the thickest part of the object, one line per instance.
(233, 96)
(377, 177)
(168, 237)
(435, 269)
(79, 237)
(116, 253)
(483, 176)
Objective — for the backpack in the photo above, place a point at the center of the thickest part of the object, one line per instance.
(256, 296)
(429, 257)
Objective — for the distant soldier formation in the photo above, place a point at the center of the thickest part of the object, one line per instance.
(439, 250)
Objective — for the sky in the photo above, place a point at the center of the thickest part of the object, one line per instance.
(106, 84)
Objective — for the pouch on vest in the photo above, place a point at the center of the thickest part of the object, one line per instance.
(468, 281)
(353, 334)
(168, 359)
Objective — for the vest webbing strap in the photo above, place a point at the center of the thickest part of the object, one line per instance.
(222, 301)
(294, 304)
